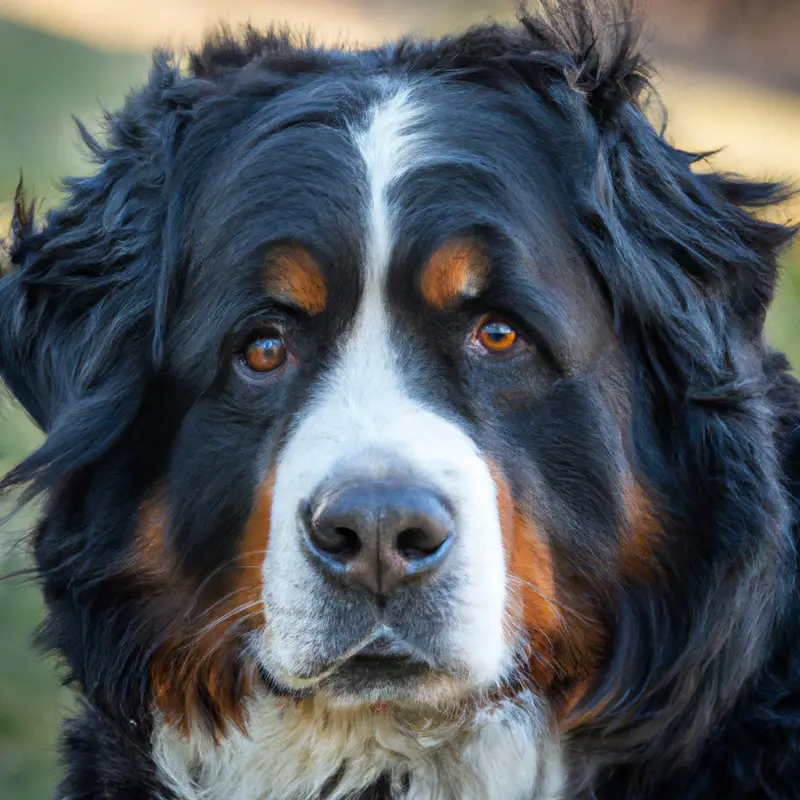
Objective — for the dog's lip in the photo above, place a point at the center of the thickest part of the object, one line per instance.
(387, 647)
(382, 667)
(381, 652)
(386, 656)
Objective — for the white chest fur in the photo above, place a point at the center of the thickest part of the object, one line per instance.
(308, 750)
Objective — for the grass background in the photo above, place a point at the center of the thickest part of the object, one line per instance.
(45, 79)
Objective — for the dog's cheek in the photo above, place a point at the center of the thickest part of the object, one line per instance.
(641, 537)
(559, 621)
(531, 606)
(200, 674)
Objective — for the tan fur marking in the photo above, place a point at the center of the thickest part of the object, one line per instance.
(457, 270)
(254, 544)
(641, 534)
(532, 579)
(637, 559)
(565, 635)
(293, 275)
(569, 718)
(197, 675)
(151, 555)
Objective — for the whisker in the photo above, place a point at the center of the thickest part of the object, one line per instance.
(204, 631)
(231, 595)
(231, 562)
(557, 605)
(228, 633)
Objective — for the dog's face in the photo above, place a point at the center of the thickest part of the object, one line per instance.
(406, 377)
(397, 378)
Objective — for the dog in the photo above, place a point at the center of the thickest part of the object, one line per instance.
(411, 432)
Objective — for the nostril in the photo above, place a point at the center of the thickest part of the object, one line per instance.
(343, 542)
(339, 541)
(415, 544)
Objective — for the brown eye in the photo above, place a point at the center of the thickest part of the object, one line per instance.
(266, 353)
(496, 337)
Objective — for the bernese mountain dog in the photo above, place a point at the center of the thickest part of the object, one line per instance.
(412, 433)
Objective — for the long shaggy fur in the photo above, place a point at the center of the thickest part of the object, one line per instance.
(698, 693)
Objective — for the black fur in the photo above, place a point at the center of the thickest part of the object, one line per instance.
(107, 322)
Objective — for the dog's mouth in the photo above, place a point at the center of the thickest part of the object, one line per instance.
(382, 662)
(380, 677)
(384, 659)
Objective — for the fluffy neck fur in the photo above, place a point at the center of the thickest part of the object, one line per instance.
(307, 750)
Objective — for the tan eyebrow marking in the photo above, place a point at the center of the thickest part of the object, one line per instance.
(456, 271)
(293, 275)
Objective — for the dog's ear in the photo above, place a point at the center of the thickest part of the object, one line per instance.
(675, 243)
(665, 237)
(77, 306)
(689, 265)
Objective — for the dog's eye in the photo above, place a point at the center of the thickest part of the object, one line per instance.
(265, 353)
(496, 336)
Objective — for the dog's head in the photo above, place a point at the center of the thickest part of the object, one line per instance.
(404, 376)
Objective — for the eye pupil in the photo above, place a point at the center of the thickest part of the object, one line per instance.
(265, 353)
(496, 336)
(497, 332)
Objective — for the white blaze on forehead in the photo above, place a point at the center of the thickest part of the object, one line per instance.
(390, 145)
(362, 413)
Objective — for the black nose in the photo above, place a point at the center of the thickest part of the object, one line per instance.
(378, 534)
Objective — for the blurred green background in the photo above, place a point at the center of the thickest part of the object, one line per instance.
(730, 77)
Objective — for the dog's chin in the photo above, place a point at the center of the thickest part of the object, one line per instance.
(359, 685)
(364, 680)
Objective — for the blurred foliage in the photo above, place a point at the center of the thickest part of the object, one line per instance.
(31, 699)
(45, 80)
